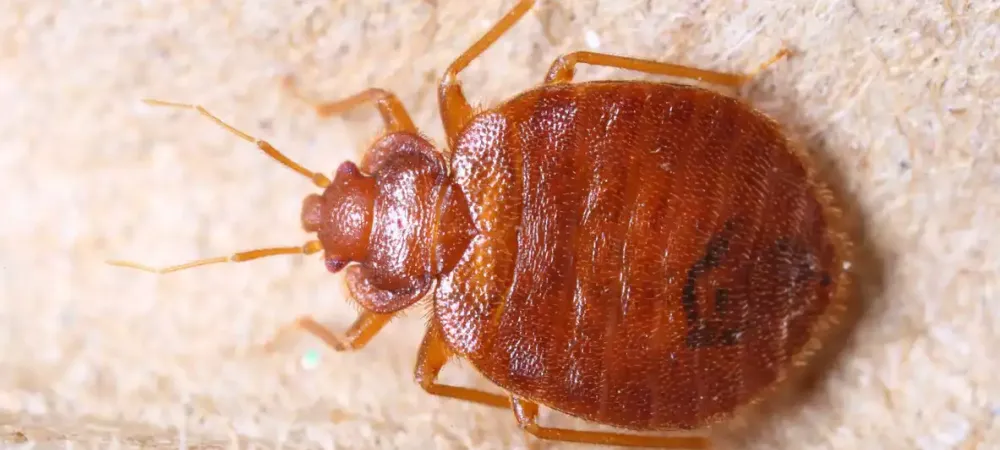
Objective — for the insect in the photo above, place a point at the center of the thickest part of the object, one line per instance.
(646, 255)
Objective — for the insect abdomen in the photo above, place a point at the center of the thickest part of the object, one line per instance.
(652, 253)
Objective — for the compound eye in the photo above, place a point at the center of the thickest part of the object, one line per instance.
(347, 169)
(334, 264)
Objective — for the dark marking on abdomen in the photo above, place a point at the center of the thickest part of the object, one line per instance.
(709, 332)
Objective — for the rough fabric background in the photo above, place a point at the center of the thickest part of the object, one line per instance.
(901, 99)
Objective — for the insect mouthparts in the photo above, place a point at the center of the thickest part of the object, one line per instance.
(312, 208)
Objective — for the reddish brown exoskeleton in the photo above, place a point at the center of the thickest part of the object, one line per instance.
(646, 255)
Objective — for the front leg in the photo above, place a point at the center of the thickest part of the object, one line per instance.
(367, 325)
(392, 110)
(377, 308)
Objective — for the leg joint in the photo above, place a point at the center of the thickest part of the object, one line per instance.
(562, 69)
(424, 379)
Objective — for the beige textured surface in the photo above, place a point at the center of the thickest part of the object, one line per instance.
(903, 98)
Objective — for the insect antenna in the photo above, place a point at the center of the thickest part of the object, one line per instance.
(318, 179)
(307, 249)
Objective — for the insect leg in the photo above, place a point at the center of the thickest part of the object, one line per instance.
(563, 68)
(455, 109)
(526, 413)
(433, 356)
(367, 325)
(392, 110)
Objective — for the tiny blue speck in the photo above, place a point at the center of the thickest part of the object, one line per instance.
(310, 360)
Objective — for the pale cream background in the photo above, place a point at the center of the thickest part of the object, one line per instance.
(903, 97)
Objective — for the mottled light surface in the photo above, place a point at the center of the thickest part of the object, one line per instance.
(902, 98)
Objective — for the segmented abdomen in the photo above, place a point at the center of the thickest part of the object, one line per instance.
(650, 255)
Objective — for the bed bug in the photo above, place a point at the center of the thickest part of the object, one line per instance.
(648, 255)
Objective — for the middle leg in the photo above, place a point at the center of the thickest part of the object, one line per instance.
(564, 68)
(455, 109)
(526, 413)
(434, 354)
